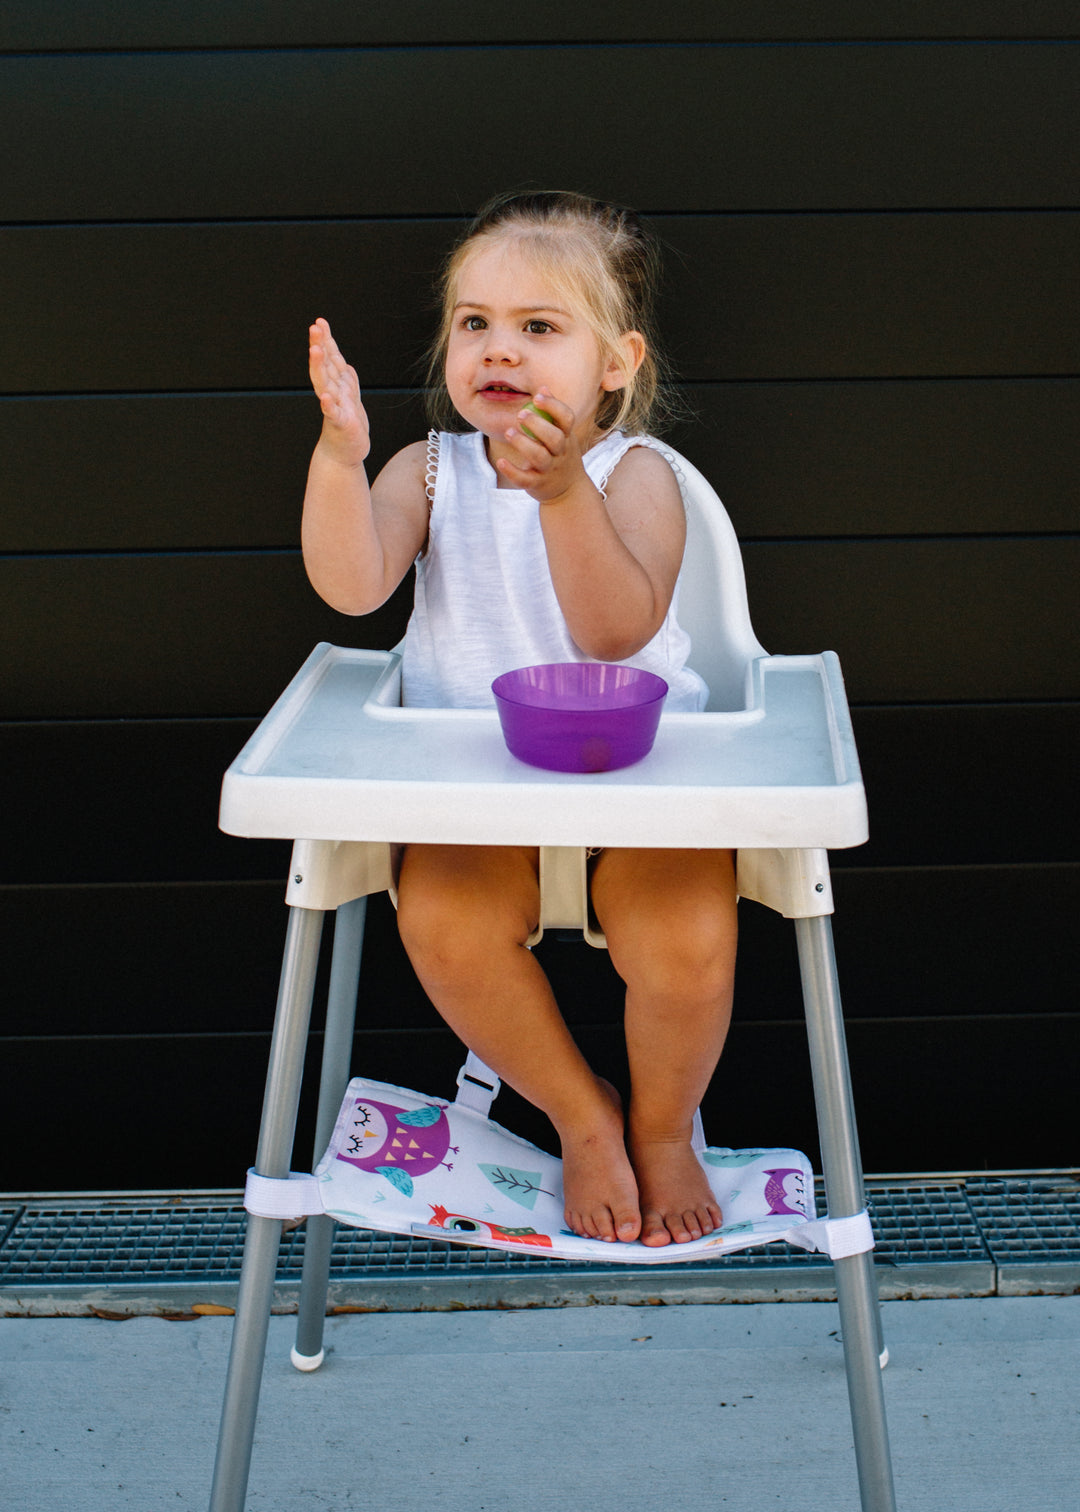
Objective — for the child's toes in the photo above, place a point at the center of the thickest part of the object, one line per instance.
(604, 1225)
(627, 1225)
(654, 1229)
(577, 1224)
(682, 1227)
(622, 1225)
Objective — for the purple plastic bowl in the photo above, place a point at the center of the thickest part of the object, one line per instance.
(579, 716)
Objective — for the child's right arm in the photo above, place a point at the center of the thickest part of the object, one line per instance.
(358, 542)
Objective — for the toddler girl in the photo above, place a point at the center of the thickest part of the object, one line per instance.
(543, 537)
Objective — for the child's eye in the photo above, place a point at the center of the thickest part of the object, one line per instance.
(474, 323)
(538, 327)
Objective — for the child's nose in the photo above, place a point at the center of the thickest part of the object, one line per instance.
(500, 347)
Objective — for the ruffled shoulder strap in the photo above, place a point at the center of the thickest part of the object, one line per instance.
(432, 470)
(602, 459)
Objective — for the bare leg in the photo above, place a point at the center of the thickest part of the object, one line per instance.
(464, 913)
(670, 922)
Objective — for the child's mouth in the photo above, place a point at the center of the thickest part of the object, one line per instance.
(503, 391)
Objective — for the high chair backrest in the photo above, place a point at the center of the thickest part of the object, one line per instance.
(712, 595)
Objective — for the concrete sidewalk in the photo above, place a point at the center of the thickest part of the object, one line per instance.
(605, 1408)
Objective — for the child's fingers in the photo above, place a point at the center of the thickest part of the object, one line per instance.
(515, 475)
(546, 423)
(561, 415)
(533, 427)
(327, 385)
(335, 382)
(531, 456)
(324, 354)
(538, 448)
(320, 333)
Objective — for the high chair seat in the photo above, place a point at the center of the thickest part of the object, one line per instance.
(769, 769)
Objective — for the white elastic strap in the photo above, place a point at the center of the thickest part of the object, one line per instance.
(294, 1196)
(478, 1086)
(836, 1237)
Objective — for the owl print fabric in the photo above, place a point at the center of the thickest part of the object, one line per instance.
(404, 1163)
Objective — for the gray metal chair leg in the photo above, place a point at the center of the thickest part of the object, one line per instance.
(307, 1353)
(276, 1133)
(855, 1281)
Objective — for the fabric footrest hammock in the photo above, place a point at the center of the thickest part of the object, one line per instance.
(404, 1163)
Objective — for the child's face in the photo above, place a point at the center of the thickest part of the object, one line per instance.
(512, 334)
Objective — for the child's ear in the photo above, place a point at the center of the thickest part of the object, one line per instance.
(624, 361)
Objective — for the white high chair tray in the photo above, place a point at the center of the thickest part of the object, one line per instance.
(336, 758)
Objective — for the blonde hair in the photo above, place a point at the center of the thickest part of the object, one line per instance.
(602, 261)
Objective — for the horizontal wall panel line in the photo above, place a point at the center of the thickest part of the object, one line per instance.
(546, 39)
(195, 721)
(972, 705)
(944, 537)
(269, 549)
(458, 221)
(151, 396)
(140, 553)
(11, 1041)
(407, 391)
(851, 874)
(70, 25)
(412, 391)
(852, 1021)
(207, 1034)
(960, 868)
(853, 380)
(532, 37)
(91, 723)
(223, 222)
(151, 722)
(190, 885)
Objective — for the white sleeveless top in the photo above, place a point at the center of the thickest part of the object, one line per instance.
(484, 600)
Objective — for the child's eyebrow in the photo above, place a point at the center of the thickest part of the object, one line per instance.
(548, 309)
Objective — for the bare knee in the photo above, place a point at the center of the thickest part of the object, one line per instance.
(454, 909)
(670, 922)
(683, 959)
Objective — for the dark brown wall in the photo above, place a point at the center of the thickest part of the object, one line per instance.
(873, 232)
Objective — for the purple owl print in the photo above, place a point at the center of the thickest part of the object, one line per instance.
(777, 1196)
(398, 1143)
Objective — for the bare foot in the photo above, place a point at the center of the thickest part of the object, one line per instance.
(677, 1203)
(598, 1182)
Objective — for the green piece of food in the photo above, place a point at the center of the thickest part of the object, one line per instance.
(536, 411)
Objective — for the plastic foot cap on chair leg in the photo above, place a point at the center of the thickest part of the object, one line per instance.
(883, 1358)
(306, 1362)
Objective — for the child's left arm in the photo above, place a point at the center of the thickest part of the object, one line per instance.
(613, 561)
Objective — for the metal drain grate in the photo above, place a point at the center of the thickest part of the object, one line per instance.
(182, 1243)
(951, 1236)
(925, 1224)
(1032, 1230)
(166, 1242)
(1036, 1219)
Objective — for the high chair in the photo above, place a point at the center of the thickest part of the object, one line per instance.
(769, 769)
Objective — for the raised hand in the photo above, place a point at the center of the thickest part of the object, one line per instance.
(345, 421)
